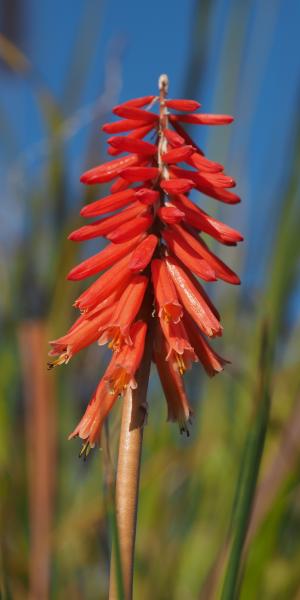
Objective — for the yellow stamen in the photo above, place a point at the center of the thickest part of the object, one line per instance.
(166, 315)
(180, 364)
(183, 429)
(120, 382)
(63, 358)
(116, 341)
(85, 450)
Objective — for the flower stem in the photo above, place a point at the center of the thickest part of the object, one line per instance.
(127, 481)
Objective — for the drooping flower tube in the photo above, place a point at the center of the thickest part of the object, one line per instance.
(148, 293)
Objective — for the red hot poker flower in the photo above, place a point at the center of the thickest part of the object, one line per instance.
(147, 296)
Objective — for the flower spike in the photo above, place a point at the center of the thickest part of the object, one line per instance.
(147, 297)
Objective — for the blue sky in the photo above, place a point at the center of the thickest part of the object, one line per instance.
(155, 36)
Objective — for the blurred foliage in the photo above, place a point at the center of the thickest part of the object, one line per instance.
(197, 495)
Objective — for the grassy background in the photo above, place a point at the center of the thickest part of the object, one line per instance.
(197, 536)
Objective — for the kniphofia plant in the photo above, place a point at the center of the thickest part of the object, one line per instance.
(148, 303)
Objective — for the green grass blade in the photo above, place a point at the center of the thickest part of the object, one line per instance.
(247, 482)
(199, 42)
(82, 54)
